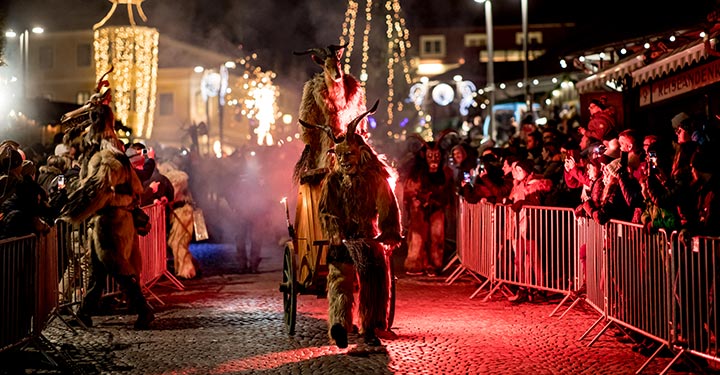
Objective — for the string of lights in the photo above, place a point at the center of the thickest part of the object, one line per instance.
(133, 52)
(397, 39)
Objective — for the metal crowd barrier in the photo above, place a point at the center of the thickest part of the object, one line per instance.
(153, 248)
(653, 284)
(694, 301)
(28, 290)
(44, 277)
(534, 248)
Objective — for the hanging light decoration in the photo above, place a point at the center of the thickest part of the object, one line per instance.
(133, 51)
(398, 42)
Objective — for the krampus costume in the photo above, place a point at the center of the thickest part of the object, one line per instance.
(333, 98)
(181, 223)
(359, 213)
(428, 191)
(107, 194)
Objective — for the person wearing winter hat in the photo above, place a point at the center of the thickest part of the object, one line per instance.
(602, 120)
(528, 189)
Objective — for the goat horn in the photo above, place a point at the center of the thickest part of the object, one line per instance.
(315, 51)
(324, 128)
(356, 121)
(102, 82)
(335, 47)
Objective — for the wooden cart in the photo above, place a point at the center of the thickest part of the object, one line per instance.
(304, 260)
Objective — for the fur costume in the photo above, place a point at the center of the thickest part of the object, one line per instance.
(428, 189)
(181, 224)
(332, 98)
(359, 214)
(107, 194)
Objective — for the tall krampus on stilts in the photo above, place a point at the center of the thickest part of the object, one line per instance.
(360, 216)
(333, 98)
(108, 194)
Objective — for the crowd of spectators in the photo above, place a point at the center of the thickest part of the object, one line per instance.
(625, 175)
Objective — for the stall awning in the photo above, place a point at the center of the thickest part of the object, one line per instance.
(679, 58)
(597, 80)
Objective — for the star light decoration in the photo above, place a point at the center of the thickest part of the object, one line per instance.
(254, 96)
(133, 51)
(397, 39)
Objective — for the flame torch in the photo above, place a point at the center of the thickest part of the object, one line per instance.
(291, 230)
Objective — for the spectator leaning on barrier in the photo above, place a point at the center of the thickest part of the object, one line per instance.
(703, 218)
(613, 204)
(26, 210)
(529, 189)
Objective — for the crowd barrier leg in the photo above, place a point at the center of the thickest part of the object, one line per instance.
(576, 300)
(459, 271)
(454, 259)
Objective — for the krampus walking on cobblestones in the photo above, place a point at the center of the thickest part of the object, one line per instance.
(360, 216)
(107, 194)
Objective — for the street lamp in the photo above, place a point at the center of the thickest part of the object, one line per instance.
(24, 52)
(490, 84)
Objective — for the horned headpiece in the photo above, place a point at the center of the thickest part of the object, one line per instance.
(79, 117)
(94, 121)
(319, 55)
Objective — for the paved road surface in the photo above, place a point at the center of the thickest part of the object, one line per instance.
(227, 323)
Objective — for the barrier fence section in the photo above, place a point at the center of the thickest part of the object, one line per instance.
(28, 289)
(73, 265)
(694, 302)
(471, 249)
(536, 248)
(153, 248)
(638, 280)
(40, 276)
(17, 282)
(651, 283)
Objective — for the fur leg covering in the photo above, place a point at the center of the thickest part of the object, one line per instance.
(374, 293)
(341, 285)
(437, 240)
(417, 240)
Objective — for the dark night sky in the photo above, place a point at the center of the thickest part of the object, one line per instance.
(277, 27)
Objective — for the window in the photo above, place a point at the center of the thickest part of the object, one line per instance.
(83, 55)
(166, 104)
(475, 40)
(82, 97)
(534, 38)
(432, 46)
(45, 57)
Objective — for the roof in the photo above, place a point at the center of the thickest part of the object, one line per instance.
(687, 55)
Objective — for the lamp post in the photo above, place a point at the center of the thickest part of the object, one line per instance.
(528, 97)
(490, 79)
(24, 53)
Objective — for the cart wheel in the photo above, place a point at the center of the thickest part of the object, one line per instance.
(288, 289)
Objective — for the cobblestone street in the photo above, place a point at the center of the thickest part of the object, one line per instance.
(228, 323)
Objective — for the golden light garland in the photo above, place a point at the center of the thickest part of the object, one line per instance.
(133, 52)
(398, 42)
